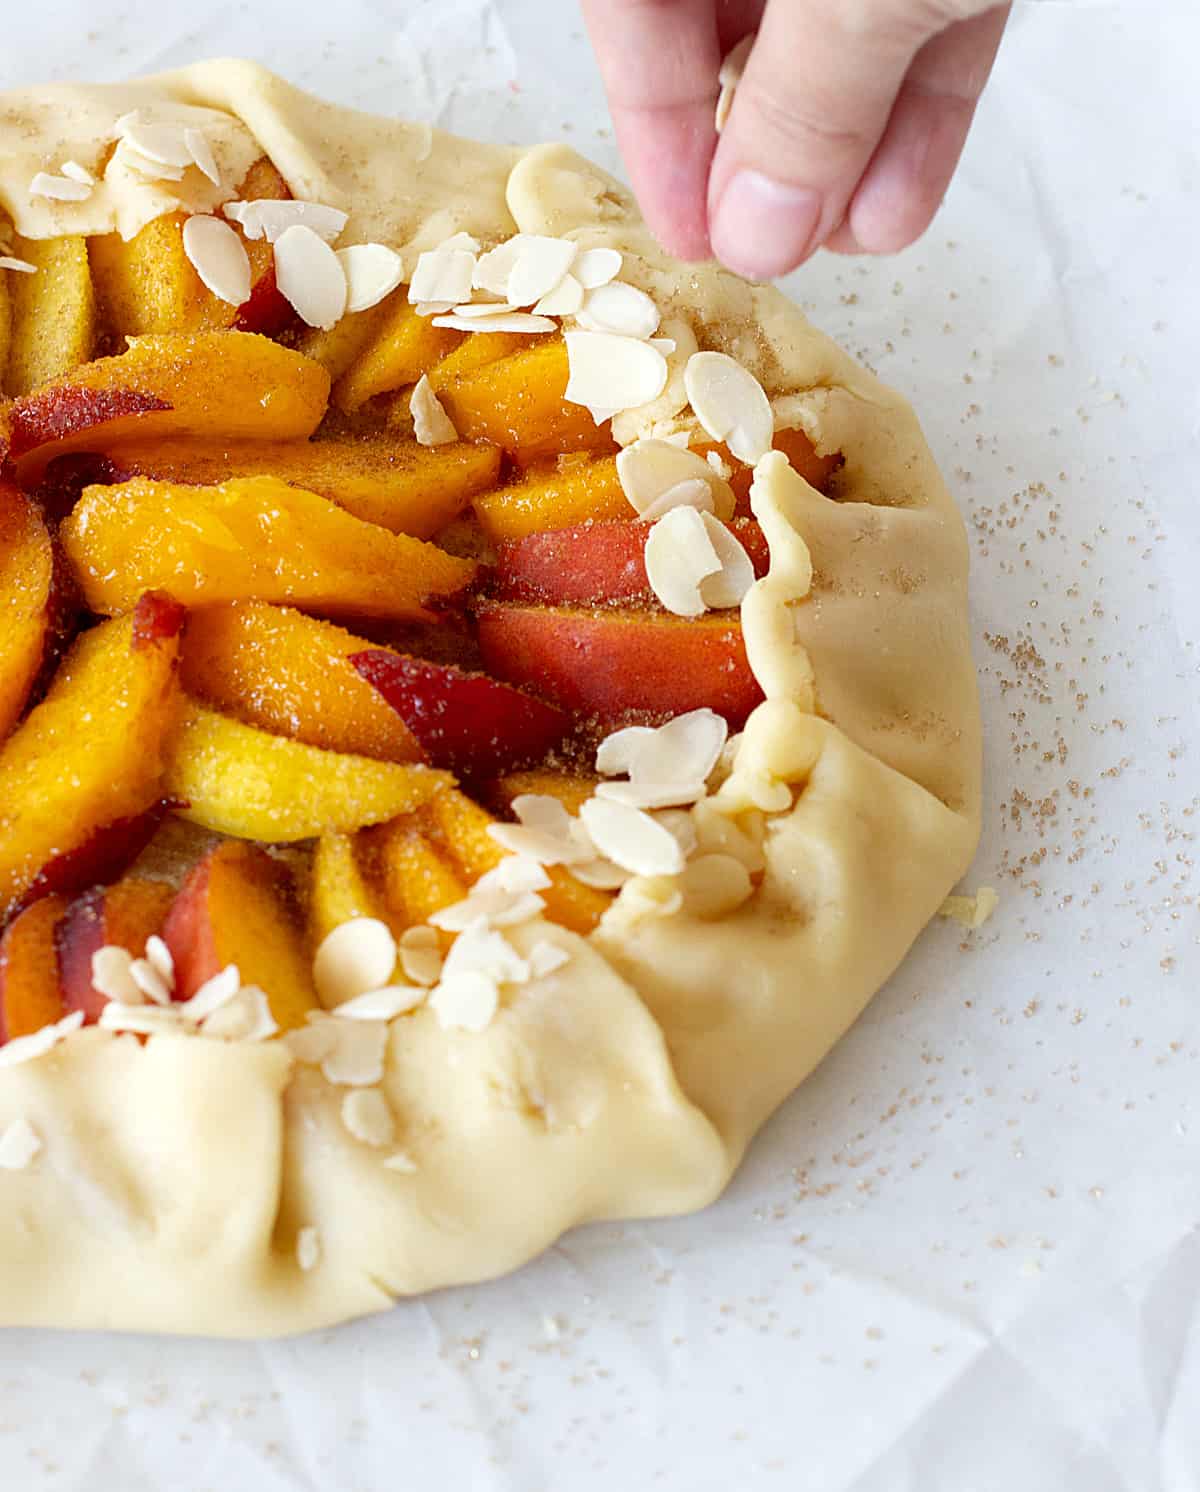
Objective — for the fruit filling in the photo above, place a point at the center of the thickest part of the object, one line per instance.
(338, 639)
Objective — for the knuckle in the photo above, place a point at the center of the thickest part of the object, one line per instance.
(800, 124)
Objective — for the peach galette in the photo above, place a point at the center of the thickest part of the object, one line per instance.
(482, 706)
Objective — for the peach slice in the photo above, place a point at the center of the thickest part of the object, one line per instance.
(240, 781)
(397, 484)
(816, 470)
(89, 755)
(460, 825)
(476, 351)
(29, 615)
(238, 906)
(465, 722)
(122, 916)
(291, 674)
(415, 879)
(53, 312)
(575, 489)
(595, 564)
(340, 347)
(517, 403)
(254, 538)
(617, 666)
(338, 891)
(235, 385)
(403, 345)
(571, 789)
(106, 854)
(30, 997)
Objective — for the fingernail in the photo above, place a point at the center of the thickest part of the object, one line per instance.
(763, 227)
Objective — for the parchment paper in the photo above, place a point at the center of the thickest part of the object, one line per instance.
(966, 1257)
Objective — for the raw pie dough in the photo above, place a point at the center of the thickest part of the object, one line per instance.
(175, 1178)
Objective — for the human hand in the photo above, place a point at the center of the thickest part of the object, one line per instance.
(846, 127)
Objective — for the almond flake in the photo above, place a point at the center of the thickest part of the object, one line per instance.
(399, 1161)
(478, 949)
(143, 1020)
(149, 981)
(540, 265)
(432, 426)
(165, 144)
(309, 277)
(620, 308)
(493, 268)
(433, 307)
(513, 321)
(650, 794)
(728, 587)
(159, 955)
(537, 844)
(719, 465)
(692, 492)
(112, 975)
(724, 107)
(515, 873)
(212, 994)
(19, 1144)
(144, 166)
(601, 875)
(679, 556)
(730, 404)
(59, 188)
(729, 76)
(382, 1004)
(421, 955)
(678, 821)
(308, 1248)
(219, 257)
(21, 266)
(372, 272)
(466, 1001)
(461, 240)
(247, 1017)
(366, 1115)
(266, 217)
(611, 373)
(357, 956)
(25, 1048)
(632, 839)
(355, 1057)
(201, 153)
(649, 468)
(546, 958)
(596, 267)
(442, 274)
(492, 904)
(73, 171)
(564, 300)
(483, 308)
(715, 885)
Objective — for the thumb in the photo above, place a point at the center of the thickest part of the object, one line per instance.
(810, 108)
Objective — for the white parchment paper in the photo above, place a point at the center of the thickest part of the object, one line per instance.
(966, 1256)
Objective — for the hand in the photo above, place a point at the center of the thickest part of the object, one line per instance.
(846, 126)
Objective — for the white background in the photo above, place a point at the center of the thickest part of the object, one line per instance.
(966, 1256)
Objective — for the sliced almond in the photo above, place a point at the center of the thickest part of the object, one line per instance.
(481, 309)
(112, 975)
(620, 308)
(649, 468)
(372, 272)
(516, 874)
(59, 188)
(142, 1020)
(433, 307)
(126, 155)
(493, 268)
(619, 752)
(609, 372)
(159, 956)
(540, 264)
(309, 277)
(219, 257)
(690, 493)
(432, 426)
(466, 1001)
(421, 955)
(596, 267)
(536, 844)
(728, 587)
(26, 1048)
(479, 949)
(149, 981)
(719, 465)
(381, 1004)
(514, 321)
(600, 874)
(650, 795)
(678, 821)
(442, 274)
(679, 556)
(268, 218)
(21, 266)
(731, 404)
(201, 153)
(632, 839)
(492, 905)
(247, 1017)
(355, 957)
(73, 171)
(564, 300)
(355, 1058)
(164, 143)
(19, 1144)
(212, 994)
(366, 1115)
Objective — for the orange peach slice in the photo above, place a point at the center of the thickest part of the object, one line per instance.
(121, 916)
(27, 601)
(234, 385)
(403, 345)
(476, 351)
(397, 484)
(611, 667)
(289, 673)
(238, 907)
(572, 790)
(801, 454)
(338, 891)
(91, 754)
(30, 997)
(415, 879)
(240, 781)
(254, 538)
(573, 490)
(53, 312)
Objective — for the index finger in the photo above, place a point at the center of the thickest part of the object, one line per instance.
(659, 60)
